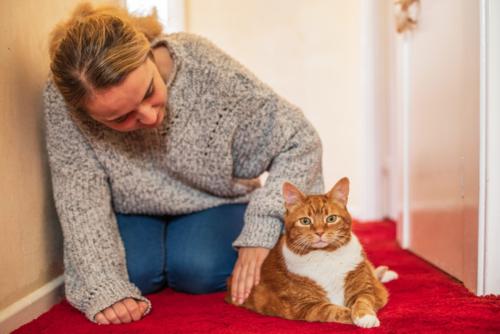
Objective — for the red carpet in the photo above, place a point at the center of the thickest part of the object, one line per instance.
(423, 300)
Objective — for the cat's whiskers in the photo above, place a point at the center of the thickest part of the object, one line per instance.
(339, 240)
(311, 250)
(300, 244)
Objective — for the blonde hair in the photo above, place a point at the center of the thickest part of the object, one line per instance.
(96, 48)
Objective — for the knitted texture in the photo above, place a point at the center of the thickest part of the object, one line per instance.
(223, 128)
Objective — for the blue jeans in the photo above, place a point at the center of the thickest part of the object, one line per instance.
(190, 253)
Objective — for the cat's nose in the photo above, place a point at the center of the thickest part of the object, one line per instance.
(320, 233)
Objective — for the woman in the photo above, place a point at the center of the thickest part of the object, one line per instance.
(155, 145)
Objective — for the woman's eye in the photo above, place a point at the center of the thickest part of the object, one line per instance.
(151, 92)
(121, 119)
(332, 219)
(305, 221)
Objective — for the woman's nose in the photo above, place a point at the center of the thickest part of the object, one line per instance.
(147, 114)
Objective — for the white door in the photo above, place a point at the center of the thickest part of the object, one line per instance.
(441, 96)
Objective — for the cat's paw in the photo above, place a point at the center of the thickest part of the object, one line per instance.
(385, 275)
(367, 321)
(388, 276)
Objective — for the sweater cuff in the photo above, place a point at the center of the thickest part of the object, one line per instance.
(107, 294)
(259, 232)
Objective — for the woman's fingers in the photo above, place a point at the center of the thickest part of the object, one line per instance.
(143, 306)
(234, 281)
(249, 280)
(246, 273)
(133, 308)
(101, 319)
(240, 288)
(110, 314)
(122, 312)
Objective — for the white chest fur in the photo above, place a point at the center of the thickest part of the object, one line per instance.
(327, 269)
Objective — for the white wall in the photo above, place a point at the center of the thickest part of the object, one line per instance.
(310, 52)
(375, 151)
(170, 12)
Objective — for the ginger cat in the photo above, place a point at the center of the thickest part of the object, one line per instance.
(318, 270)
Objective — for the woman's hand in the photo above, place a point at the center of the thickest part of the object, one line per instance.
(122, 312)
(246, 273)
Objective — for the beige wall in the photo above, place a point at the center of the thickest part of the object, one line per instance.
(309, 52)
(30, 237)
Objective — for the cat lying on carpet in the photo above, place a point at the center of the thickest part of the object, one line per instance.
(318, 270)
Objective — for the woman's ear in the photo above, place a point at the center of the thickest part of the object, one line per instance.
(340, 191)
(292, 195)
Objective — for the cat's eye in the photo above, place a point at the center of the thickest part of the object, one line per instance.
(305, 221)
(332, 219)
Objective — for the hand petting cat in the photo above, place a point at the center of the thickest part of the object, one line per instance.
(318, 270)
(246, 272)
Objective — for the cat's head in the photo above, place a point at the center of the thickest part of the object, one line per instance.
(317, 221)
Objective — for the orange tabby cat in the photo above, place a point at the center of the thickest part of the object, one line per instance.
(318, 270)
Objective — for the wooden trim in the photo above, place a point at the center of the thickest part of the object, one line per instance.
(31, 306)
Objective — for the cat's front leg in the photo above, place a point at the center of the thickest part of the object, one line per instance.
(325, 312)
(363, 313)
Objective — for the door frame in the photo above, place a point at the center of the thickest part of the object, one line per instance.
(488, 280)
(488, 246)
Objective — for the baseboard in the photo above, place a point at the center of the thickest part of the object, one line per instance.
(31, 306)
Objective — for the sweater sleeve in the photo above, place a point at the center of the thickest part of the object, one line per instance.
(94, 257)
(281, 141)
(272, 135)
(277, 138)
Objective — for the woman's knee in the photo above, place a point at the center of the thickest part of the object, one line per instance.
(200, 256)
(146, 277)
(144, 241)
(197, 279)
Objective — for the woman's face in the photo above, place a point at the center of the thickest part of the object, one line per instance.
(137, 103)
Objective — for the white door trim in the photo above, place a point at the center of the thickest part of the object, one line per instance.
(406, 110)
(400, 134)
(488, 280)
(370, 104)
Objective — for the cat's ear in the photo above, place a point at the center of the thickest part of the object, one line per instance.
(340, 191)
(292, 195)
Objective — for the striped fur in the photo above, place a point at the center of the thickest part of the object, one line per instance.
(318, 270)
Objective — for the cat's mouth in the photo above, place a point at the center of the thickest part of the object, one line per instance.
(319, 244)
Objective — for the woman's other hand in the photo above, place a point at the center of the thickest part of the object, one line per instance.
(122, 312)
(246, 272)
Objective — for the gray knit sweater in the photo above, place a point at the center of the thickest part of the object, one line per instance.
(223, 129)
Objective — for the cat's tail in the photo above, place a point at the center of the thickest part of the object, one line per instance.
(385, 275)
